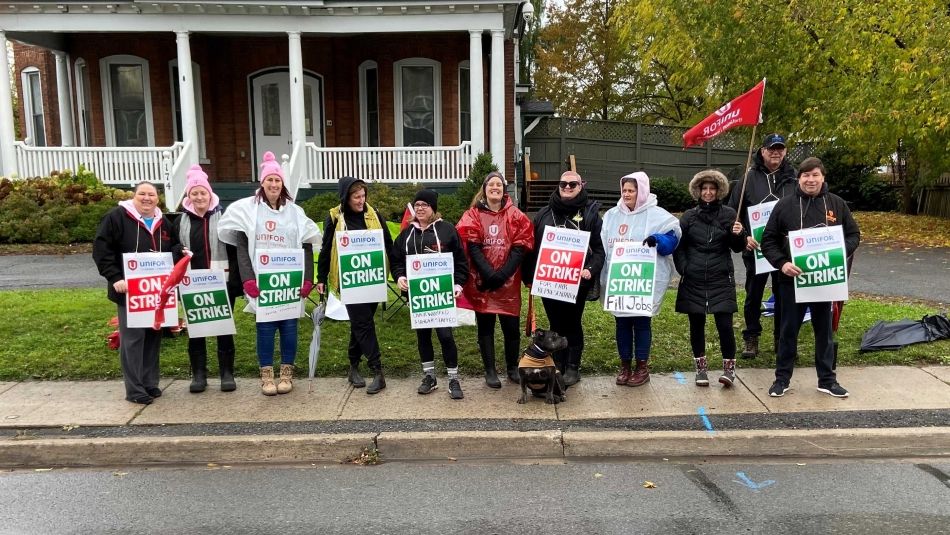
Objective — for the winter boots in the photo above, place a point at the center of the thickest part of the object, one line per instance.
(286, 383)
(268, 388)
(512, 355)
(354, 377)
(226, 369)
(624, 376)
(199, 373)
(728, 372)
(573, 373)
(702, 371)
(486, 346)
(641, 374)
(379, 382)
(751, 349)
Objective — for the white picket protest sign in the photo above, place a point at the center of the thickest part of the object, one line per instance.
(758, 217)
(204, 298)
(561, 255)
(279, 278)
(362, 266)
(431, 280)
(145, 273)
(821, 255)
(631, 279)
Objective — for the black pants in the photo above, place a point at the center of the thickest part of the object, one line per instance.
(510, 329)
(792, 315)
(565, 318)
(363, 341)
(450, 353)
(697, 334)
(197, 348)
(754, 291)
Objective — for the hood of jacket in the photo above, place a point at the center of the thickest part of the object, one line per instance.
(343, 187)
(709, 175)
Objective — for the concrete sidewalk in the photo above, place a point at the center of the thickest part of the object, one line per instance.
(891, 411)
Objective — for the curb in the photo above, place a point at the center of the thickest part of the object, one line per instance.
(462, 445)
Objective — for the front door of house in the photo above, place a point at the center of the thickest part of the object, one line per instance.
(270, 117)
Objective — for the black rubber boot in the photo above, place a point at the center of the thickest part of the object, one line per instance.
(573, 373)
(199, 373)
(486, 346)
(226, 368)
(354, 377)
(379, 382)
(512, 354)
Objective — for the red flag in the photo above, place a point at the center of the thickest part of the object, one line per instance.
(406, 217)
(173, 280)
(745, 109)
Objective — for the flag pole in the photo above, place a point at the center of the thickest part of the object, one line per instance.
(745, 175)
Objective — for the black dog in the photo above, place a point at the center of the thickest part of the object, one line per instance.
(537, 370)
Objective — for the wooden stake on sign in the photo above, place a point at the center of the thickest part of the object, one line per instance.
(527, 167)
(745, 176)
(573, 163)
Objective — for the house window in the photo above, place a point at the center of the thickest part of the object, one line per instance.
(199, 109)
(127, 101)
(369, 104)
(83, 102)
(465, 103)
(418, 103)
(33, 104)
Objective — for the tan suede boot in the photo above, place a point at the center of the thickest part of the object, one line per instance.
(268, 388)
(286, 383)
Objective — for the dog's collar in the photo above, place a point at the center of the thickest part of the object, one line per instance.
(536, 352)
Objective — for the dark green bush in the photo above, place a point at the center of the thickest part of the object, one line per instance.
(671, 194)
(857, 183)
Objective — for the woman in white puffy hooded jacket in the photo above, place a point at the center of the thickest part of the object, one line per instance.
(638, 219)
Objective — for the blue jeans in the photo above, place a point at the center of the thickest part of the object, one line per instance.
(634, 328)
(265, 341)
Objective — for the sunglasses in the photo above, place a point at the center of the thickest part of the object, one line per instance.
(568, 185)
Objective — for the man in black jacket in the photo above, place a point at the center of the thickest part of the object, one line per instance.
(812, 206)
(771, 178)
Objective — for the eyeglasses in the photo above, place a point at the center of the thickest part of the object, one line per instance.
(774, 149)
(568, 185)
(420, 205)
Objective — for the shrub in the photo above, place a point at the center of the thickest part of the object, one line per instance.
(857, 183)
(671, 194)
(482, 165)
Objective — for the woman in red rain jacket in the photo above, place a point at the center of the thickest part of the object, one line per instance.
(496, 235)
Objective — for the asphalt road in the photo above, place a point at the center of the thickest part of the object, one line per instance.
(748, 496)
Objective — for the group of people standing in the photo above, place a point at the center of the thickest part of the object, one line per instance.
(493, 252)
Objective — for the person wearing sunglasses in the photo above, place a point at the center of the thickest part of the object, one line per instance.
(569, 207)
(638, 219)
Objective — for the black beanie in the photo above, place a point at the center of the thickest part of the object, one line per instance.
(430, 197)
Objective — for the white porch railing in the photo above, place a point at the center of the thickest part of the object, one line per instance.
(114, 166)
(293, 166)
(389, 164)
(176, 175)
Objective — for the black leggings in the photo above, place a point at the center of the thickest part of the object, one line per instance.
(697, 334)
(450, 353)
(510, 326)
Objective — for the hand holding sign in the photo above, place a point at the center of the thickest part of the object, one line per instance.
(791, 269)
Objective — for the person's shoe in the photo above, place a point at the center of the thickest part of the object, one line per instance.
(141, 400)
(379, 382)
(486, 347)
(199, 381)
(572, 377)
(491, 378)
(702, 371)
(778, 389)
(513, 376)
(354, 377)
(640, 375)
(428, 384)
(455, 389)
(834, 390)
(286, 383)
(155, 392)
(624, 376)
(268, 388)
(728, 376)
(751, 349)
(226, 370)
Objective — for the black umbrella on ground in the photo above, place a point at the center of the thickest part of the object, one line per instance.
(894, 335)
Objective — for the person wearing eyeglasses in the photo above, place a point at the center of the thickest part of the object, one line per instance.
(812, 206)
(638, 219)
(771, 177)
(569, 207)
(428, 233)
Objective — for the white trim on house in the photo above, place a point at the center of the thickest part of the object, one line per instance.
(199, 107)
(364, 110)
(107, 107)
(30, 108)
(465, 66)
(436, 96)
(83, 102)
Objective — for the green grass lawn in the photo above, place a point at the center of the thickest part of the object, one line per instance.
(60, 334)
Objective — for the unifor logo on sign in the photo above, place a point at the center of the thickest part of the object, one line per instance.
(265, 260)
(416, 265)
(550, 236)
(270, 225)
(133, 265)
(186, 280)
(619, 251)
(799, 242)
(756, 216)
(345, 241)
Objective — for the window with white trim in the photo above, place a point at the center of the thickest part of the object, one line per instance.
(369, 104)
(33, 105)
(465, 102)
(176, 106)
(126, 101)
(418, 100)
(83, 101)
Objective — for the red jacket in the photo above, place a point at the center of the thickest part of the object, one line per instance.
(496, 234)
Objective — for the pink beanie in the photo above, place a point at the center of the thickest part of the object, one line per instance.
(197, 177)
(270, 166)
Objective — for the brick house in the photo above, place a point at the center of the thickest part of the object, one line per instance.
(389, 91)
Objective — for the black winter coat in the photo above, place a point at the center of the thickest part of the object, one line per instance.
(763, 186)
(590, 222)
(414, 241)
(704, 260)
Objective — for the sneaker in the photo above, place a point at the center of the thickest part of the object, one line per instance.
(455, 389)
(778, 389)
(834, 389)
(428, 384)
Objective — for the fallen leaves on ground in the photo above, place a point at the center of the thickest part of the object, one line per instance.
(649, 485)
(899, 230)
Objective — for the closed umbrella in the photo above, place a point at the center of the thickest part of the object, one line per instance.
(317, 315)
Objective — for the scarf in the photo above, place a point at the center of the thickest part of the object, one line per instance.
(336, 214)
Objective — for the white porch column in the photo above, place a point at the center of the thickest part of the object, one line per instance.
(298, 131)
(7, 135)
(497, 99)
(476, 91)
(186, 95)
(65, 100)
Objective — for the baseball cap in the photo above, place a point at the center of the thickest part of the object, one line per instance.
(772, 140)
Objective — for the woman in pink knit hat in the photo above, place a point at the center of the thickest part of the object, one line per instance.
(269, 219)
(198, 231)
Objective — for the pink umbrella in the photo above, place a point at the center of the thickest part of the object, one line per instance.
(173, 280)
